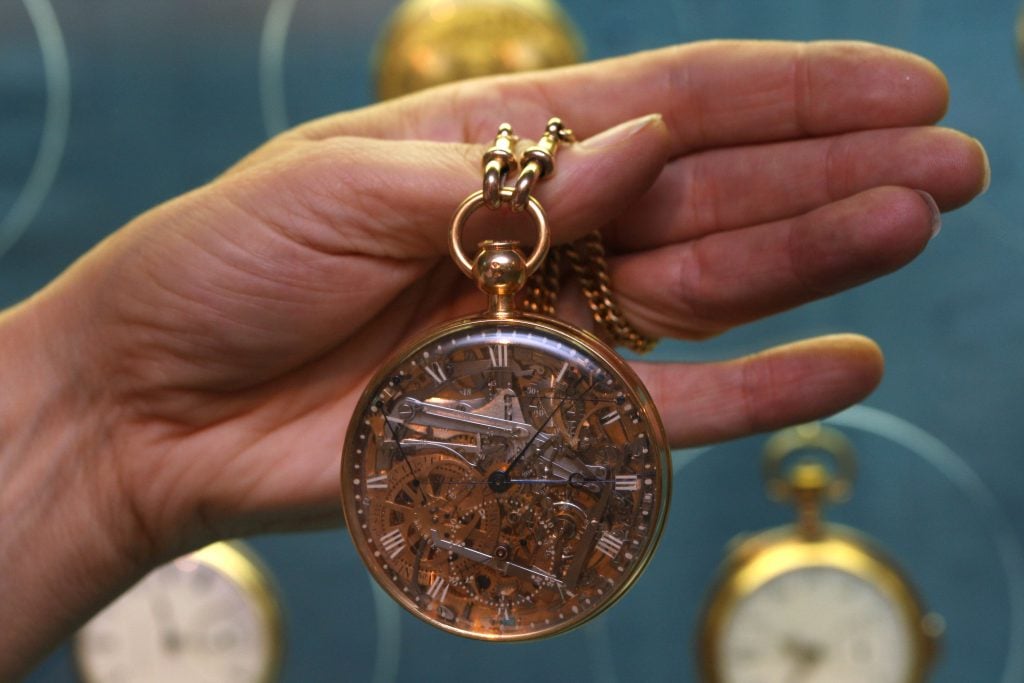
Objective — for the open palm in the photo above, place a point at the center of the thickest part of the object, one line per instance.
(224, 337)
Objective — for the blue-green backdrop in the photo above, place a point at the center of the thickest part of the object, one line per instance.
(108, 107)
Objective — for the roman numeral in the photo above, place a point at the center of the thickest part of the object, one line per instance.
(438, 589)
(623, 482)
(436, 372)
(499, 355)
(393, 542)
(561, 372)
(381, 482)
(609, 544)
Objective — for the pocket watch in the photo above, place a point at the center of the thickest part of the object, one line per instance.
(813, 602)
(429, 42)
(212, 616)
(505, 477)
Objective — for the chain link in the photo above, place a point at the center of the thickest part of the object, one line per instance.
(585, 256)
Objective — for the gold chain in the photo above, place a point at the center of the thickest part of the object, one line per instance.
(585, 256)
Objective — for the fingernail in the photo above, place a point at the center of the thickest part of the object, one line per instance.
(987, 180)
(620, 133)
(934, 208)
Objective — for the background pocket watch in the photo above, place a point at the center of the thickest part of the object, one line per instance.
(916, 498)
(213, 613)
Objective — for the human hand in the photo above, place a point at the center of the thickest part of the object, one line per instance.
(222, 339)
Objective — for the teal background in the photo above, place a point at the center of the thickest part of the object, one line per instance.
(108, 107)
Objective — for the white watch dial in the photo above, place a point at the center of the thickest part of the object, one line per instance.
(816, 625)
(185, 621)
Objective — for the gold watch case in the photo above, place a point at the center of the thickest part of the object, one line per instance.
(430, 42)
(813, 600)
(204, 575)
(756, 562)
(505, 477)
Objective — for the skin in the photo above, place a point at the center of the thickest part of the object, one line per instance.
(192, 377)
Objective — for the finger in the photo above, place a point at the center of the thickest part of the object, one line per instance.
(299, 252)
(711, 93)
(701, 288)
(785, 385)
(736, 187)
(395, 199)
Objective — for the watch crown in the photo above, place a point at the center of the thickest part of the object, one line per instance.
(500, 272)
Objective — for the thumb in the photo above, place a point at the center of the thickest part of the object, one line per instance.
(285, 258)
(603, 175)
(395, 198)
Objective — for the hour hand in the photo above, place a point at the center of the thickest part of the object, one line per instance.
(503, 566)
(411, 410)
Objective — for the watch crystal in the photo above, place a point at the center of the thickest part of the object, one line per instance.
(504, 480)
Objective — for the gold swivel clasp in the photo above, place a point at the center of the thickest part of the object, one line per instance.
(539, 161)
(499, 160)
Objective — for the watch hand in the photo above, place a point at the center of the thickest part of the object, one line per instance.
(805, 653)
(452, 448)
(547, 421)
(576, 480)
(503, 566)
(805, 657)
(398, 442)
(170, 636)
(586, 544)
(431, 415)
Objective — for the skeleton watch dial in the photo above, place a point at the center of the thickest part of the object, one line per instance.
(505, 479)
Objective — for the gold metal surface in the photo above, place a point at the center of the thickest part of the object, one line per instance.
(777, 552)
(475, 201)
(430, 42)
(499, 160)
(810, 439)
(538, 161)
(500, 272)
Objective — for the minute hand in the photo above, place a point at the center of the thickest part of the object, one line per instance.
(540, 429)
(581, 554)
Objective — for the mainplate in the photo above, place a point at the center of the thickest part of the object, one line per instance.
(505, 480)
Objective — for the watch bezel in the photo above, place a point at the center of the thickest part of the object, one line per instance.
(572, 337)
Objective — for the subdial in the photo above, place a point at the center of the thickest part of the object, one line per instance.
(469, 515)
(524, 523)
(396, 519)
(561, 413)
(431, 493)
(563, 528)
(497, 577)
(501, 566)
(600, 422)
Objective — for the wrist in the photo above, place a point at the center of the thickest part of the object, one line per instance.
(64, 547)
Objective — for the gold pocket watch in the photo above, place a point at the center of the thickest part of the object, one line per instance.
(429, 42)
(505, 476)
(813, 602)
(212, 615)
